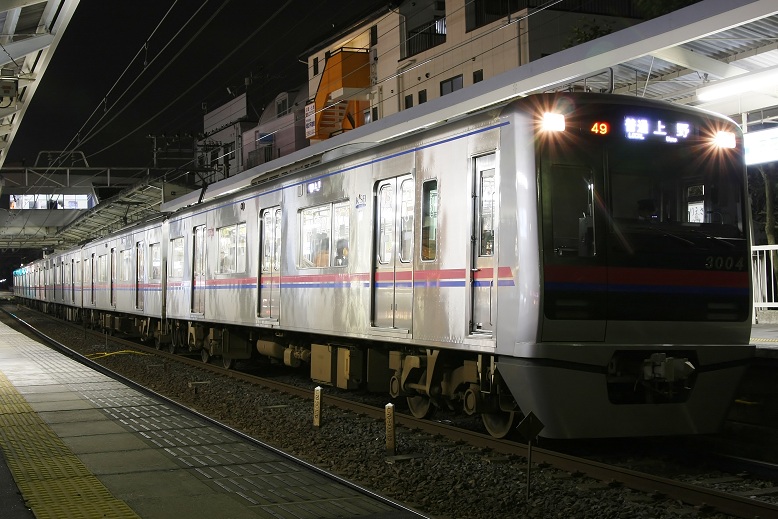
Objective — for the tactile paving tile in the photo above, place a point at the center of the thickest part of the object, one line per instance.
(73, 497)
(52, 480)
(272, 485)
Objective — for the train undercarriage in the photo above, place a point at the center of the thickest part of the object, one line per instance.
(429, 379)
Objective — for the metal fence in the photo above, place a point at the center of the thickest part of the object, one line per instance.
(765, 277)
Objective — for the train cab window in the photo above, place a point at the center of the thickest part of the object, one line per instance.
(572, 222)
(155, 253)
(177, 258)
(429, 229)
(232, 249)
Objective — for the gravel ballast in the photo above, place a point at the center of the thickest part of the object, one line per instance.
(437, 477)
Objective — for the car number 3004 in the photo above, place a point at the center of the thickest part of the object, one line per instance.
(725, 263)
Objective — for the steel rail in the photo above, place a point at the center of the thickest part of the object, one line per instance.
(694, 495)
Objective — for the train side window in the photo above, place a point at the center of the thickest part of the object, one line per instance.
(429, 229)
(386, 196)
(124, 265)
(486, 213)
(231, 247)
(316, 223)
(155, 253)
(102, 268)
(177, 258)
(340, 233)
(406, 220)
(241, 247)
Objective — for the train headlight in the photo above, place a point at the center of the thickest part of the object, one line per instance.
(553, 122)
(724, 139)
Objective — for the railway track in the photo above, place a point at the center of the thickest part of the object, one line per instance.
(707, 494)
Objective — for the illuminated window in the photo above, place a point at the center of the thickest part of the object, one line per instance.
(429, 226)
(177, 258)
(324, 235)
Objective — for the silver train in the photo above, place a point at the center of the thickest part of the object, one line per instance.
(581, 257)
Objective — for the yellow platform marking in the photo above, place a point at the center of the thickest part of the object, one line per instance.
(52, 480)
(763, 339)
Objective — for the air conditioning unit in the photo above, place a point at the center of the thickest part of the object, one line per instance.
(8, 88)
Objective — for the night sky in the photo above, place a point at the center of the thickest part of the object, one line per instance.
(200, 49)
(223, 43)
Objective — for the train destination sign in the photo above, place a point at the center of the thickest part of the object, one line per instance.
(644, 128)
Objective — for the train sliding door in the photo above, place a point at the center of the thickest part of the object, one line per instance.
(393, 273)
(140, 275)
(198, 270)
(482, 268)
(269, 300)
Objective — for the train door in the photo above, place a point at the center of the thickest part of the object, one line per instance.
(113, 277)
(393, 273)
(198, 270)
(92, 279)
(72, 281)
(140, 275)
(483, 269)
(574, 278)
(269, 299)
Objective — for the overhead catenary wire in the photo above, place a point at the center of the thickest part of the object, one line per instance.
(144, 48)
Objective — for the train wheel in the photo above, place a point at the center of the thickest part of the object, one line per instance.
(227, 362)
(499, 424)
(421, 406)
(204, 355)
(158, 342)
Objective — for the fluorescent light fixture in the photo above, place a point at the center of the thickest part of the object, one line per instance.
(736, 85)
(761, 146)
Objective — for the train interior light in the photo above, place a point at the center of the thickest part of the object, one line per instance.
(553, 122)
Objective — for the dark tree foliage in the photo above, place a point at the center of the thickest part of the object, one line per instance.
(588, 30)
(762, 189)
(653, 8)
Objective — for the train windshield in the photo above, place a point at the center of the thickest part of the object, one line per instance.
(644, 217)
(664, 203)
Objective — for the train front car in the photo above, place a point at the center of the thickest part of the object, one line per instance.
(642, 298)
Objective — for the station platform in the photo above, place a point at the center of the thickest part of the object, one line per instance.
(76, 443)
(765, 338)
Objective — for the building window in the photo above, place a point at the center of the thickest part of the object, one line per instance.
(315, 66)
(409, 101)
(478, 76)
(375, 114)
(449, 85)
(373, 35)
(282, 106)
(422, 96)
